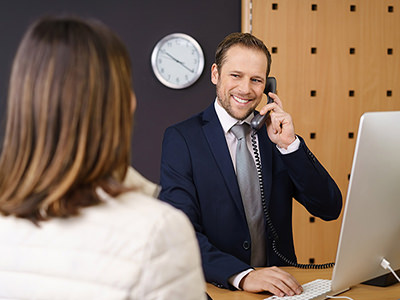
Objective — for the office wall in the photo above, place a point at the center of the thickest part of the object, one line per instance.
(333, 60)
(140, 24)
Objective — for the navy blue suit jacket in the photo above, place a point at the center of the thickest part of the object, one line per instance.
(198, 177)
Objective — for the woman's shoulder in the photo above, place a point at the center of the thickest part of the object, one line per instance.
(138, 182)
(136, 209)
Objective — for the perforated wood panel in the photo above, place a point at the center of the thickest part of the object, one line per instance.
(333, 60)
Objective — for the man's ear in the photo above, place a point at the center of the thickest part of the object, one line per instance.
(214, 74)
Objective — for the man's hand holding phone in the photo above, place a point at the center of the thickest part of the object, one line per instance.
(280, 126)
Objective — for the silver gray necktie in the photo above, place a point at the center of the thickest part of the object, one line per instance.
(250, 190)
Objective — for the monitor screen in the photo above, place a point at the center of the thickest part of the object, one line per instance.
(371, 220)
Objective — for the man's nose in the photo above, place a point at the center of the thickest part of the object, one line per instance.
(244, 86)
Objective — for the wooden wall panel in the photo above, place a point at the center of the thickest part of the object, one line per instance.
(333, 60)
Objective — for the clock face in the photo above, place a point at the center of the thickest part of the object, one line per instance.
(177, 60)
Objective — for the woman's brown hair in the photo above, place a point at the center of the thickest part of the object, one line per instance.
(68, 119)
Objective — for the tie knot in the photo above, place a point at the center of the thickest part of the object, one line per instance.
(240, 130)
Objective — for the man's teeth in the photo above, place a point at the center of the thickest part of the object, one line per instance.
(240, 100)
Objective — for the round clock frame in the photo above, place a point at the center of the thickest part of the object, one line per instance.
(177, 60)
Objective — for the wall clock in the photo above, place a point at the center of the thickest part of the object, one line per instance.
(177, 60)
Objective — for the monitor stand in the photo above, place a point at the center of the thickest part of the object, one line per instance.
(384, 280)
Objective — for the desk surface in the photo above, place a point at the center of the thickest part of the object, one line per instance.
(359, 292)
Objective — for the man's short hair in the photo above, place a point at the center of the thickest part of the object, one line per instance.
(243, 39)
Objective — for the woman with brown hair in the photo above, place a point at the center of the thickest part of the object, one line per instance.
(76, 224)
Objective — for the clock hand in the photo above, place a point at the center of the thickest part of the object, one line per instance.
(178, 61)
(183, 65)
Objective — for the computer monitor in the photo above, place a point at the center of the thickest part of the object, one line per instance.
(371, 221)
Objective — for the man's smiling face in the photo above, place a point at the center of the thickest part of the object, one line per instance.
(241, 80)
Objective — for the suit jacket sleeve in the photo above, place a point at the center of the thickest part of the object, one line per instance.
(313, 186)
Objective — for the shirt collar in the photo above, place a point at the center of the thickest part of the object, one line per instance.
(226, 120)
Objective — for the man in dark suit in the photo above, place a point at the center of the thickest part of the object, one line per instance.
(198, 175)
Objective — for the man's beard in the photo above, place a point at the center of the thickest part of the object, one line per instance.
(226, 104)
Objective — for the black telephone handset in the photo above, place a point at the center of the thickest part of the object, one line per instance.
(258, 120)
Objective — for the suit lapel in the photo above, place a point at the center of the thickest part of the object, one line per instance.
(216, 140)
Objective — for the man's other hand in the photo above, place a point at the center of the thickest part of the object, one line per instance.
(273, 279)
